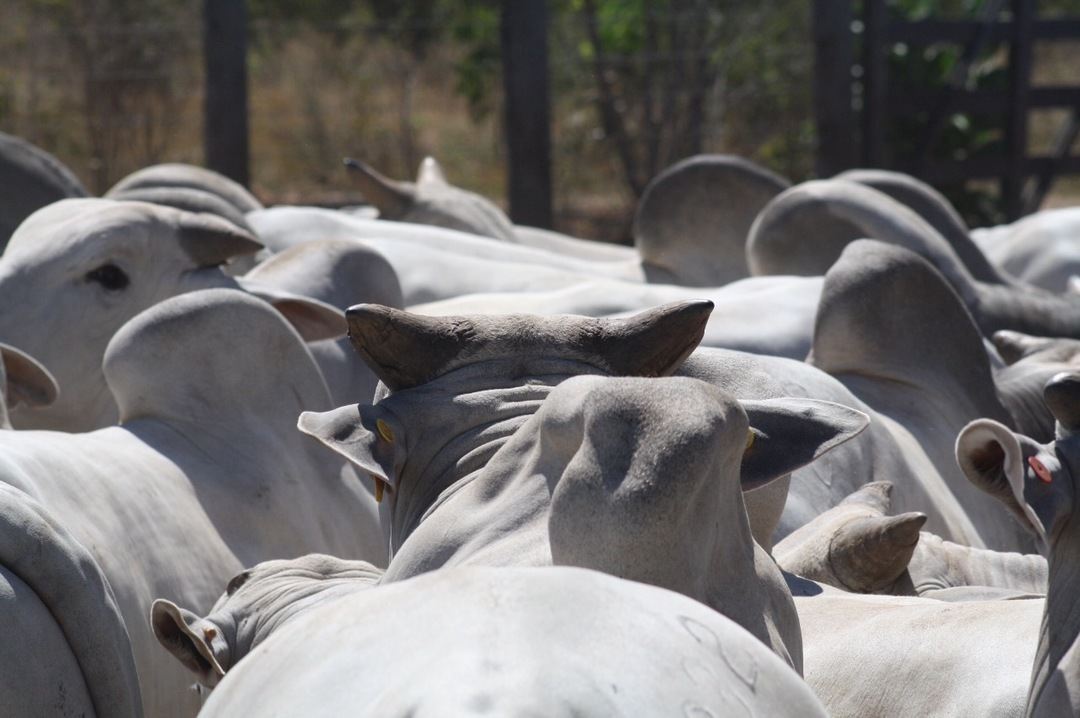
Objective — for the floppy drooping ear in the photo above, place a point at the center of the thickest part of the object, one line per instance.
(28, 382)
(368, 436)
(210, 240)
(313, 319)
(786, 434)
(992, 457)
(189, 638)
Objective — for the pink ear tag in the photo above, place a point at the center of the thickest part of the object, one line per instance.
(1040, 469)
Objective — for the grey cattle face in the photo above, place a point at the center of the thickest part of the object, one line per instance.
(432, 200)
(1038, 483)
(80, 268)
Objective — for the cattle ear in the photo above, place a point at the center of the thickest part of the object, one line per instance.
(313, 319)
(174, 627)
(28, 381)
(786, 434)
(366, 435)
(992, 458)
(210, 240)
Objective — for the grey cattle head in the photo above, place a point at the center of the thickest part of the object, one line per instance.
(856, 545)
(1039, 483)
(431, 200)
(256, 602)
(80, 268)
(31, 178)
(23, 381)
(425, 361)
(693, 218)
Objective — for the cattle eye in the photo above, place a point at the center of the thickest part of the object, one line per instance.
(237, 581)
(109, 276)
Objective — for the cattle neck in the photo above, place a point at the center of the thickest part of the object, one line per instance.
(1028, 310)
(1057, 657)
(457, 422)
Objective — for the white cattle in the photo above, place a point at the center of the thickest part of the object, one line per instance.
(206, 473)
(1042, 249)
(893, 656)
(891, 330)
(475, 641)
(78, 269)
(65, 649)
(435, 263)
(690, 226)
(493, 450)
(805, 229)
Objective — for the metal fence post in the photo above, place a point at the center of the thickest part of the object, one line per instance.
(528, 123)
(225, 109)
(833, 58)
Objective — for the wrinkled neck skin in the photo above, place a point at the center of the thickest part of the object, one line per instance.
(1055, 682)
(241, 632)
(464, 418)
(495, 510)
(938, 564)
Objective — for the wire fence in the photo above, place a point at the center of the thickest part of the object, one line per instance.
(118, 86)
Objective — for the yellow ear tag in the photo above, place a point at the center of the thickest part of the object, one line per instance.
(379, 487)
(384, 430)
(750, 435)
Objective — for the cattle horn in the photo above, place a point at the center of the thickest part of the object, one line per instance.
(877, 495)
(393, 199)
(405, 350)
(430, 172)
(1062, 397)
(870, 554)
(654, 342)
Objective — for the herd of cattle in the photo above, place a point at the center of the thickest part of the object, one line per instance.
(801, 450)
